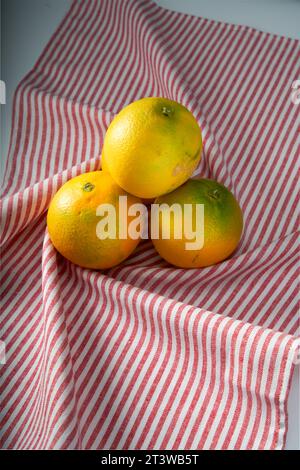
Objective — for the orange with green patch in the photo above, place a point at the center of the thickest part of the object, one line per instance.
(152, 146)
(223, 224)
(72, 221)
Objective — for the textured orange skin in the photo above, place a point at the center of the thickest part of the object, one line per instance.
(223, 224)
(72, 221)
(152, 146)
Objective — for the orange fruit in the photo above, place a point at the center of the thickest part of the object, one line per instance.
(222, 228)
(72, 221)
(152, 146)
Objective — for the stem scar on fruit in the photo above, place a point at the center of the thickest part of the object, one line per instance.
(166, 111)
(214, 194)
(88, 187)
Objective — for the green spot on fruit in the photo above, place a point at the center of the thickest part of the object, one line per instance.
(88, 187)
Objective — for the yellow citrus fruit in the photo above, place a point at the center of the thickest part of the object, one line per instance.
(72, 221)
(222, 224)
(152, 146)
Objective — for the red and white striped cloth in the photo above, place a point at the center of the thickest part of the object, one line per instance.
(146, 355)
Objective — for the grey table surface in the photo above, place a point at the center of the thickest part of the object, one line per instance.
(26, 26)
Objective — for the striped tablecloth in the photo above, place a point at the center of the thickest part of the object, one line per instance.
(145, 355)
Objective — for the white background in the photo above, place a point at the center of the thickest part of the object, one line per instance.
(26, 26)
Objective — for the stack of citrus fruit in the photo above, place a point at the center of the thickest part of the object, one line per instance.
(150, 151)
